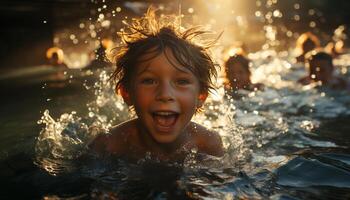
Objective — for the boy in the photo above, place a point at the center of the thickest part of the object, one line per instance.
(165, 78)
(238, 74)
(321, 69)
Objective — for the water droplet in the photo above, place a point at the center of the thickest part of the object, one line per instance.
(91, 114)
(106, 23)
(312, 24)
(101, 16)
(93, 34)
(296, 6)
(277, 13)
(81, 25)
(258, 14)
(312, 12)
(296, 17)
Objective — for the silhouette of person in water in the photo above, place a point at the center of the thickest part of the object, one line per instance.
(306, 43)
(165, 77)
(238, 74)
(320, 70)
(55, 57)
(101, 60)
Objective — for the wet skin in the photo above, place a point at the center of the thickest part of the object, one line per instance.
(321, 70)
(165, 97)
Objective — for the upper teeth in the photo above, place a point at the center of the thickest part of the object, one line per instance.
(165, 113)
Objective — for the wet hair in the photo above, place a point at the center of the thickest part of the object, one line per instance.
(148, 36)
(55, 53)
(319, 55)
(237, 58)
(307, 38)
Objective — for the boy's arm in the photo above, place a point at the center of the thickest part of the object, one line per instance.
(213, 144)
(208, 142)
(116, 142)
(108, 144)
(98, 145)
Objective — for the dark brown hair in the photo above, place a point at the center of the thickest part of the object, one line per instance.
(149, 35)
(237, 58)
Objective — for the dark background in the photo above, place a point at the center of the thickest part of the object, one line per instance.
(24, 36)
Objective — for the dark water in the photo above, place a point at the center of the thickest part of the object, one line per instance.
(275, 149)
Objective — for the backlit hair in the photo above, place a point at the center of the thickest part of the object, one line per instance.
(305, 38)
(151, 35)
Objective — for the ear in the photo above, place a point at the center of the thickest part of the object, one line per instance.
(201, 99)
(125, 94)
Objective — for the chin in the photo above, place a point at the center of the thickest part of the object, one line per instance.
(164, 139)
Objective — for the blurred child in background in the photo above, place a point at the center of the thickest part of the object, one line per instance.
(306, 43)
(320, 70)
(238, 74)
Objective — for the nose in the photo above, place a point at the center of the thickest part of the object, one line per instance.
(165, 92)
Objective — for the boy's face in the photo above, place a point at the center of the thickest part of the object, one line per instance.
(320, 70)
(164, 97)
(238, 76)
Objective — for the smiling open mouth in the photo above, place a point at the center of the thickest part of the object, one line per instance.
(165, 119)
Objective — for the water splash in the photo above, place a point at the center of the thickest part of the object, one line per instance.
(63, 140)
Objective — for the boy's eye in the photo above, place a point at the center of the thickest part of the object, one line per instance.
(148, 81)
(183, 81)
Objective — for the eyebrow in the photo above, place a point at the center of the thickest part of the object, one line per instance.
(181, 69)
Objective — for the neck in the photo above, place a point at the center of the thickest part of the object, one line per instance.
(151, 145)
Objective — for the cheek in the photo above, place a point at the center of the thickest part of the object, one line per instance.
(141, 97)
(189, 99)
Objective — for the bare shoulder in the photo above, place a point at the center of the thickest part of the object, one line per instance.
(207, 141)
(116, 142)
